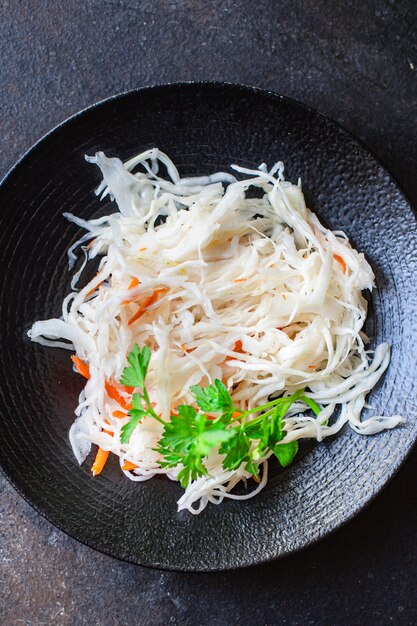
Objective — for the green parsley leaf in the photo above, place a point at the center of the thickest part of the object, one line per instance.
(171, 459)
(213, 398)
(258, 429)
(275, 428)
(211, 438)
(193, 469)
(285, 452)
(137, 402)
(200, 448)
(252, 467)
(188, 438)
(134, 375)
(127, 430)
(179, 433)
(236, 449)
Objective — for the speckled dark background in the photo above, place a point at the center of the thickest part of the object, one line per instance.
(355, 61)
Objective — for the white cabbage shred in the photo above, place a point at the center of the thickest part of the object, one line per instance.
(260, 271)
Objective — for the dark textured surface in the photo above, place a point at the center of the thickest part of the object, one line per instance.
(354, 65)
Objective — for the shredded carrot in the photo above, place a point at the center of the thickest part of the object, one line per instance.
(81, 367)
(341, 261)
(142, 249)
(184, 347)
(312, 367)
(149, 301)
(134, 283)
(102, 455)
(100, 461)
(113, 393)
(237, 348)
(90, 244)
(128, 465)
(94, 288)
(239, 280)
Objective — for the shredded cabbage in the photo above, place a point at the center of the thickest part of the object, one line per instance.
(262, 271)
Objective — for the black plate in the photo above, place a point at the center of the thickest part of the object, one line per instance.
(204, 128)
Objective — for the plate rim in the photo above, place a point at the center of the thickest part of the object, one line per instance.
(219, 84)
(249, 89)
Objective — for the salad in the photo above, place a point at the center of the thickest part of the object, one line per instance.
(224, 323)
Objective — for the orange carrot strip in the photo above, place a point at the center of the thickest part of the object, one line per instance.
(94, 288)
(100, 461)
(128, 465)
(90, 244)
(112, 392)
(213, 417)
(102, 455)
(184, 347)
(341, 261)
(119, 414)
(108, 432)
(239, 280)
(149, 301)
(134, 283)
(312, 367)
(237, 348)
(81, 367)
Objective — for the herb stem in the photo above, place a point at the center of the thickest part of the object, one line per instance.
(273, 403)
(295, 396)
(244, 414)
(261, 417)
(150, 407)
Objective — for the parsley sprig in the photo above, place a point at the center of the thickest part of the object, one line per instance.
(190, 436)
(134, 376)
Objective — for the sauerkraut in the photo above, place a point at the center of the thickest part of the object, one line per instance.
(251, 289)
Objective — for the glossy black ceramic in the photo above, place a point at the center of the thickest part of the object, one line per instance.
(204, 128)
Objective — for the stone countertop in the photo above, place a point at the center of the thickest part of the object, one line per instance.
(356, 62)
